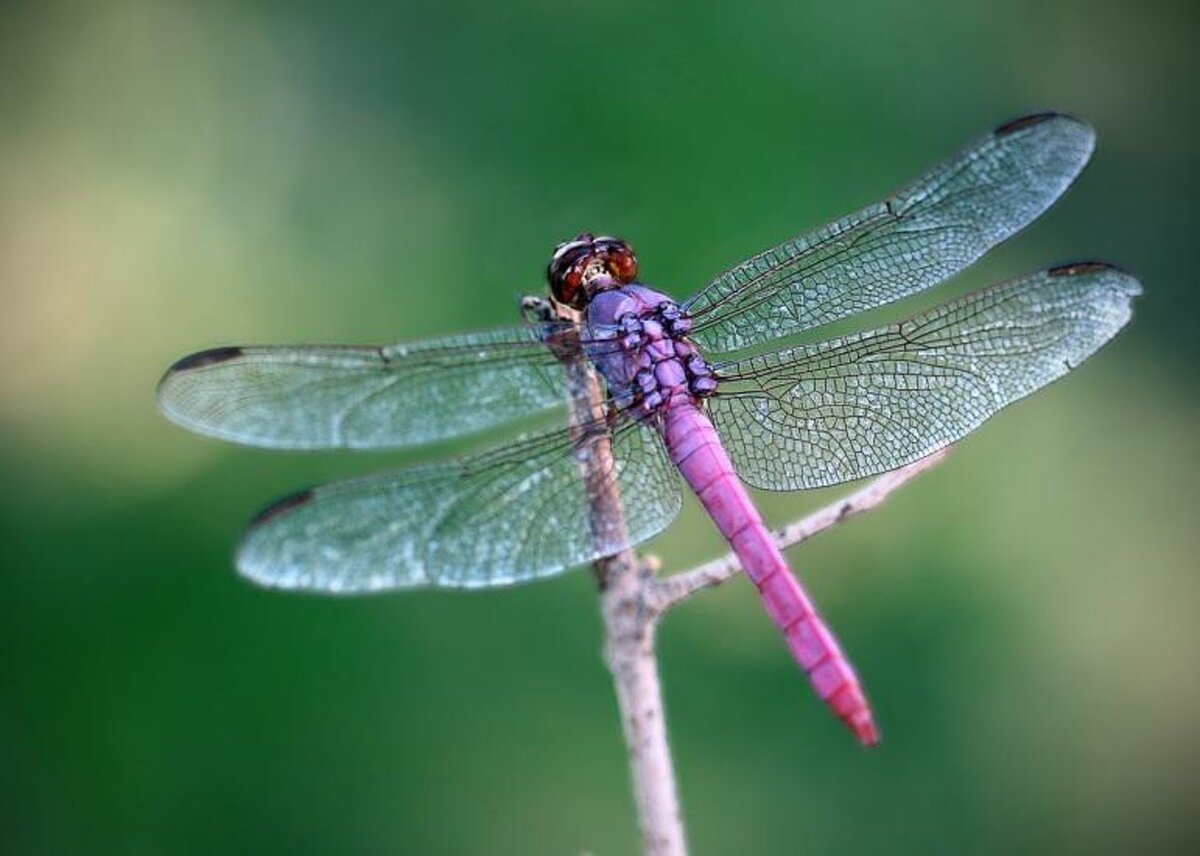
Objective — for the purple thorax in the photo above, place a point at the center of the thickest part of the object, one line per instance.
(637, 338)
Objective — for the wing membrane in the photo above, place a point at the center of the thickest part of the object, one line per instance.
(864, 404)
(928, 231)
(325, 397)
(501, 517)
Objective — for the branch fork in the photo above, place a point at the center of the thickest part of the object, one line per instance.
(634, 599)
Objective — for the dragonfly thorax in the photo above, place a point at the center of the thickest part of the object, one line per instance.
(588, 265)
(642, 349)
(669, 366)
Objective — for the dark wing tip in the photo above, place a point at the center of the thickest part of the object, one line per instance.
(1082, 267)
(282, 506)
(1030, 121)
(206, 358)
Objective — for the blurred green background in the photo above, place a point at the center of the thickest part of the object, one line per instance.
(175, 176)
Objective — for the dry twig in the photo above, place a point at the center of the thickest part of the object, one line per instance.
(633, 600)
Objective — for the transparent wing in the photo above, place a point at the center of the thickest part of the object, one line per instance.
(856, 406)
(323, 397)
(928, 231)
(504, 516)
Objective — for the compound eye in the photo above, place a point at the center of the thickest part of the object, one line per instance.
(566, 271)
(623, 264)
(572, 285)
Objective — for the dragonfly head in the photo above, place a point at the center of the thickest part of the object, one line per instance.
(587, 265)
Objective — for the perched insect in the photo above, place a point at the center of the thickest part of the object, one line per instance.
(801, 417)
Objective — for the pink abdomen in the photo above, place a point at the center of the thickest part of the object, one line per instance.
(696, 449)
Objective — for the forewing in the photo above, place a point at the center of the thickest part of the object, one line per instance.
(501, 517)
(928, 231)
(856, 406)
(325, 397)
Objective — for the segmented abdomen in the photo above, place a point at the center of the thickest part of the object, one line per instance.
(696, 449)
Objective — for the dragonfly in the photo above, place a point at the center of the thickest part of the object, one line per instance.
(691, 391)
